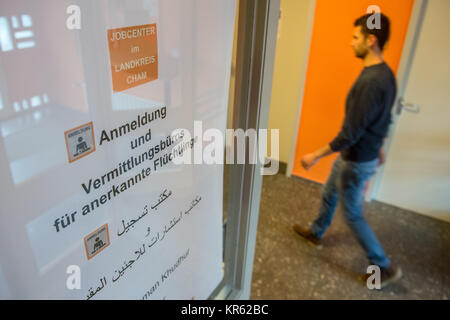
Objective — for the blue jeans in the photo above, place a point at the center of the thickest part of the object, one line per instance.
(347, 181)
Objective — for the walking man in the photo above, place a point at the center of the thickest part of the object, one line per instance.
(360, 143)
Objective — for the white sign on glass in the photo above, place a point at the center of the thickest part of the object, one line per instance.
(92, 205)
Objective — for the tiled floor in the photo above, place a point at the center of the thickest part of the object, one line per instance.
(285, 267)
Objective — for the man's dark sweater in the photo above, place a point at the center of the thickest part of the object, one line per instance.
(367, 114)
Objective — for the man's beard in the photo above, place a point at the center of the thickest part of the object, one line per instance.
(362, 54)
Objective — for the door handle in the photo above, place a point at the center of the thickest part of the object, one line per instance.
(410, 107)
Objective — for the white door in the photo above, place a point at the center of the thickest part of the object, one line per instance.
(416, 175)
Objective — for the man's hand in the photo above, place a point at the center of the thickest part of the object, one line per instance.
(309, 160)
(381, 157)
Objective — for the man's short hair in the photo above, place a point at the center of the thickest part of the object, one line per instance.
(382, 34)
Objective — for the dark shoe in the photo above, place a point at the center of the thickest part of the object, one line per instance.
(390, 274)
(308, 236)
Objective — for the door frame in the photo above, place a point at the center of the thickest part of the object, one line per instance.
(409, 49)
(256, 42)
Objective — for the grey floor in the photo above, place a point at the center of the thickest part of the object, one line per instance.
(285, 267)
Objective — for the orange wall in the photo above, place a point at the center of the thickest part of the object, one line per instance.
(332, 69)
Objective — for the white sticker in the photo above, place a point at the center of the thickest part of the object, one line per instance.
(80, 141)
(96, 241)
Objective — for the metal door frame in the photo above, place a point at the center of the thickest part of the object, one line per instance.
(256, 42)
